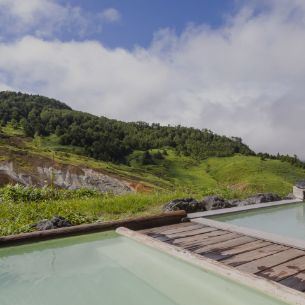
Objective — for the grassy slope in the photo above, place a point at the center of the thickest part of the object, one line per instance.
(175, 176)
(18, 217)
(238, 176)
(251, 174)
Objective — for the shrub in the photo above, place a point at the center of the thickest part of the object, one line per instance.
(19, 193)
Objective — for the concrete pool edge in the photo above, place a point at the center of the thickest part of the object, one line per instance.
(243, 208)
(272, 289)
(137, 223)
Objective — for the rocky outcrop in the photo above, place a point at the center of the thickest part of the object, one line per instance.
(208, 203)
(215, 202)
(189, 205)
(62, 176)
(10, 174)
(259, 198)
(55, 223)
(83, 178)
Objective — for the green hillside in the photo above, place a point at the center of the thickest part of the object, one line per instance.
(106, 139)
(235, 176)
(160, 163)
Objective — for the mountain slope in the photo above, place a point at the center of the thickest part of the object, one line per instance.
(41, 144)
(43, 161)
(106, 139)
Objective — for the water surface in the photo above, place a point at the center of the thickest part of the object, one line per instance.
(286, 220)
(104, 269)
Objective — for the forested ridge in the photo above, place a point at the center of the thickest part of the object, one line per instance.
(113, 140)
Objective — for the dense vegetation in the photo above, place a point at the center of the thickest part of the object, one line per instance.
(107, 139)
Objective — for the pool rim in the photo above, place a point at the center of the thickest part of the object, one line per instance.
(241, 209)
(268, 287)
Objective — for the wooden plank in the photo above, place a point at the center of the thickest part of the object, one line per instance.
(220, 255)
(225, 245)
(176, 231)
(191, 232)
(210, 241)
(246, 248)
(270, 261)
(181, 225)
(197, 238)
(284, 270)
(180, 229)
(246, 257)
(296, 281)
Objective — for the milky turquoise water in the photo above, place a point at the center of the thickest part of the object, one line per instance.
(109, 270)
(286, 220)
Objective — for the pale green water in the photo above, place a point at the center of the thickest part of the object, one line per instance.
(107, 270)
(287, 220)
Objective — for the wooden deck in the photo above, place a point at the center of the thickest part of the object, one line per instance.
(276, 262)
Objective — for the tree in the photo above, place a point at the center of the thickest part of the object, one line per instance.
(147, 158)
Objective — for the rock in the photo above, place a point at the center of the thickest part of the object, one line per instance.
(60, 222)
(189, 205)
(62, 176)
(185, 219)
(44, 225)
(233, 202)
(300, 184)
(215, 202)
(259, 198)
(77, 178)
(55, 223)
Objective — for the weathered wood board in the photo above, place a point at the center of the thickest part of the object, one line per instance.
(246, 257)
(284, 270)
(271, 261)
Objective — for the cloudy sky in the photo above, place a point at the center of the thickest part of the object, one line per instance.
(235, 67)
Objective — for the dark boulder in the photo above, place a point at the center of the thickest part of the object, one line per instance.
(215, 202)
(233, 203)
(44, 225)
(189, 205)
(259, 198)
(55, 223)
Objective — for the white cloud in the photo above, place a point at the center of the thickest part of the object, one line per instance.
(42, 18)
(244, 79)
(50, 19)
(110, 15)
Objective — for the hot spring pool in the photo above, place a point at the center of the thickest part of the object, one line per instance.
(286, 220)
(105, 269)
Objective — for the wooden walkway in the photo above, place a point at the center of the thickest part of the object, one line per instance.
(280, 263)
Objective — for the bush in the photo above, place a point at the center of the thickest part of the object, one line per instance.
(17, 218)
(19, 193)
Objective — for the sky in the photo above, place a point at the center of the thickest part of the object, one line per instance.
(235, 67)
